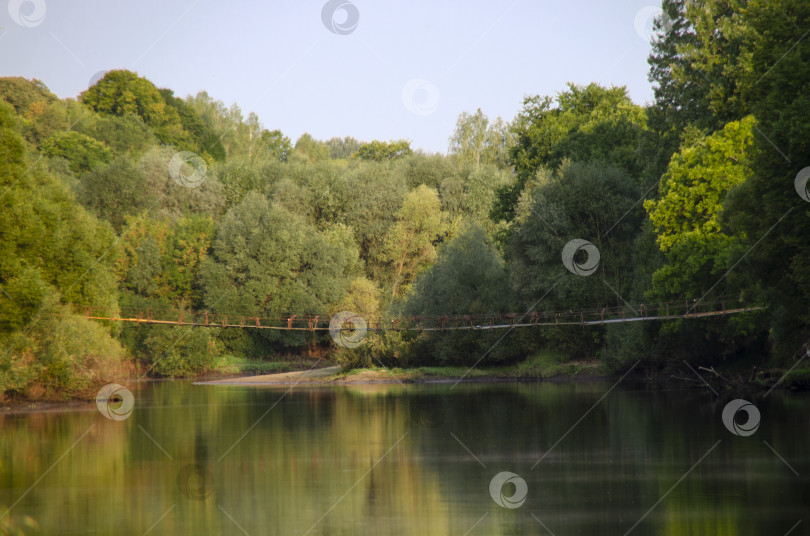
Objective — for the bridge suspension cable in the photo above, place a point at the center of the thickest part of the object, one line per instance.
(319, 322)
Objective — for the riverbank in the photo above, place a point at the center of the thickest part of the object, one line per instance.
(544, 366)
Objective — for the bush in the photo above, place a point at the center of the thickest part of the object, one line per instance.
(77, 355)
(181, 350)
(63, 356)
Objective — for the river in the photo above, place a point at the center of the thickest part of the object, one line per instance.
(587, 458)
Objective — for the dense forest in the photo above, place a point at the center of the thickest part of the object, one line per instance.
(130, 198)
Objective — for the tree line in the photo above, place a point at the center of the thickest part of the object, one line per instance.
(690, 198)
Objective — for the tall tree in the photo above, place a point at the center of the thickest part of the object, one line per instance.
(468, 278)
(687, 214)
(477, 141)
(311, 148)
(409, 245)
(767, 210)
(123, 92)
(267, 261)
(585, 124)
(593, 202)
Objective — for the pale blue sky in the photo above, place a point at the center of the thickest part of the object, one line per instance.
(280, 60)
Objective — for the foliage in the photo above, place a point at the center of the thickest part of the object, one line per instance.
(765, 211)
(311, 148)
(409, 245)
(468, 278)
(92, 218)
(476, 141)
(593, 202)
(180, 350)
(583, 124)
(686, 216)
(342, 148)
(22, 93)
(126, 135)
(275, 145)
(81, 151)
(378, 151)
(200, 137)
(124, 93)
(267, 261)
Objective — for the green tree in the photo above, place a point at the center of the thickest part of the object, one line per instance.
(268, 262)
(201, 138)
(43, 120)
(276, 145)
(378, 151)
(143, 277)
(371, 212)
(469, 278)
(583, 124)
(342, 148)
(123, 93)
(593, 202)
(22, 93)
(114, 191)
(82, 152)
(476, 141)
(54, 257)
(687, 214)
(679, 87)
(186, 250)
(181, 350)
(311, 148)
(224, 122)
(765, 211)
(409, 245)
(125, 135)
(718, 59)
(428, 169)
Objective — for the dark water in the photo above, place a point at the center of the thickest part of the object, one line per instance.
(391, 459)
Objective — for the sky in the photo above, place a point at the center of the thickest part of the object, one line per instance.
(385, 69)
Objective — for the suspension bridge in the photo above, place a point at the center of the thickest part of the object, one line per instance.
(319, 322)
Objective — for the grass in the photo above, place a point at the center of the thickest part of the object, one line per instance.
(545, 364)
(797, 379)
(230, 364)
(548, 363)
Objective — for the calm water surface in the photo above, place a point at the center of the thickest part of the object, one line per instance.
(391, 459)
